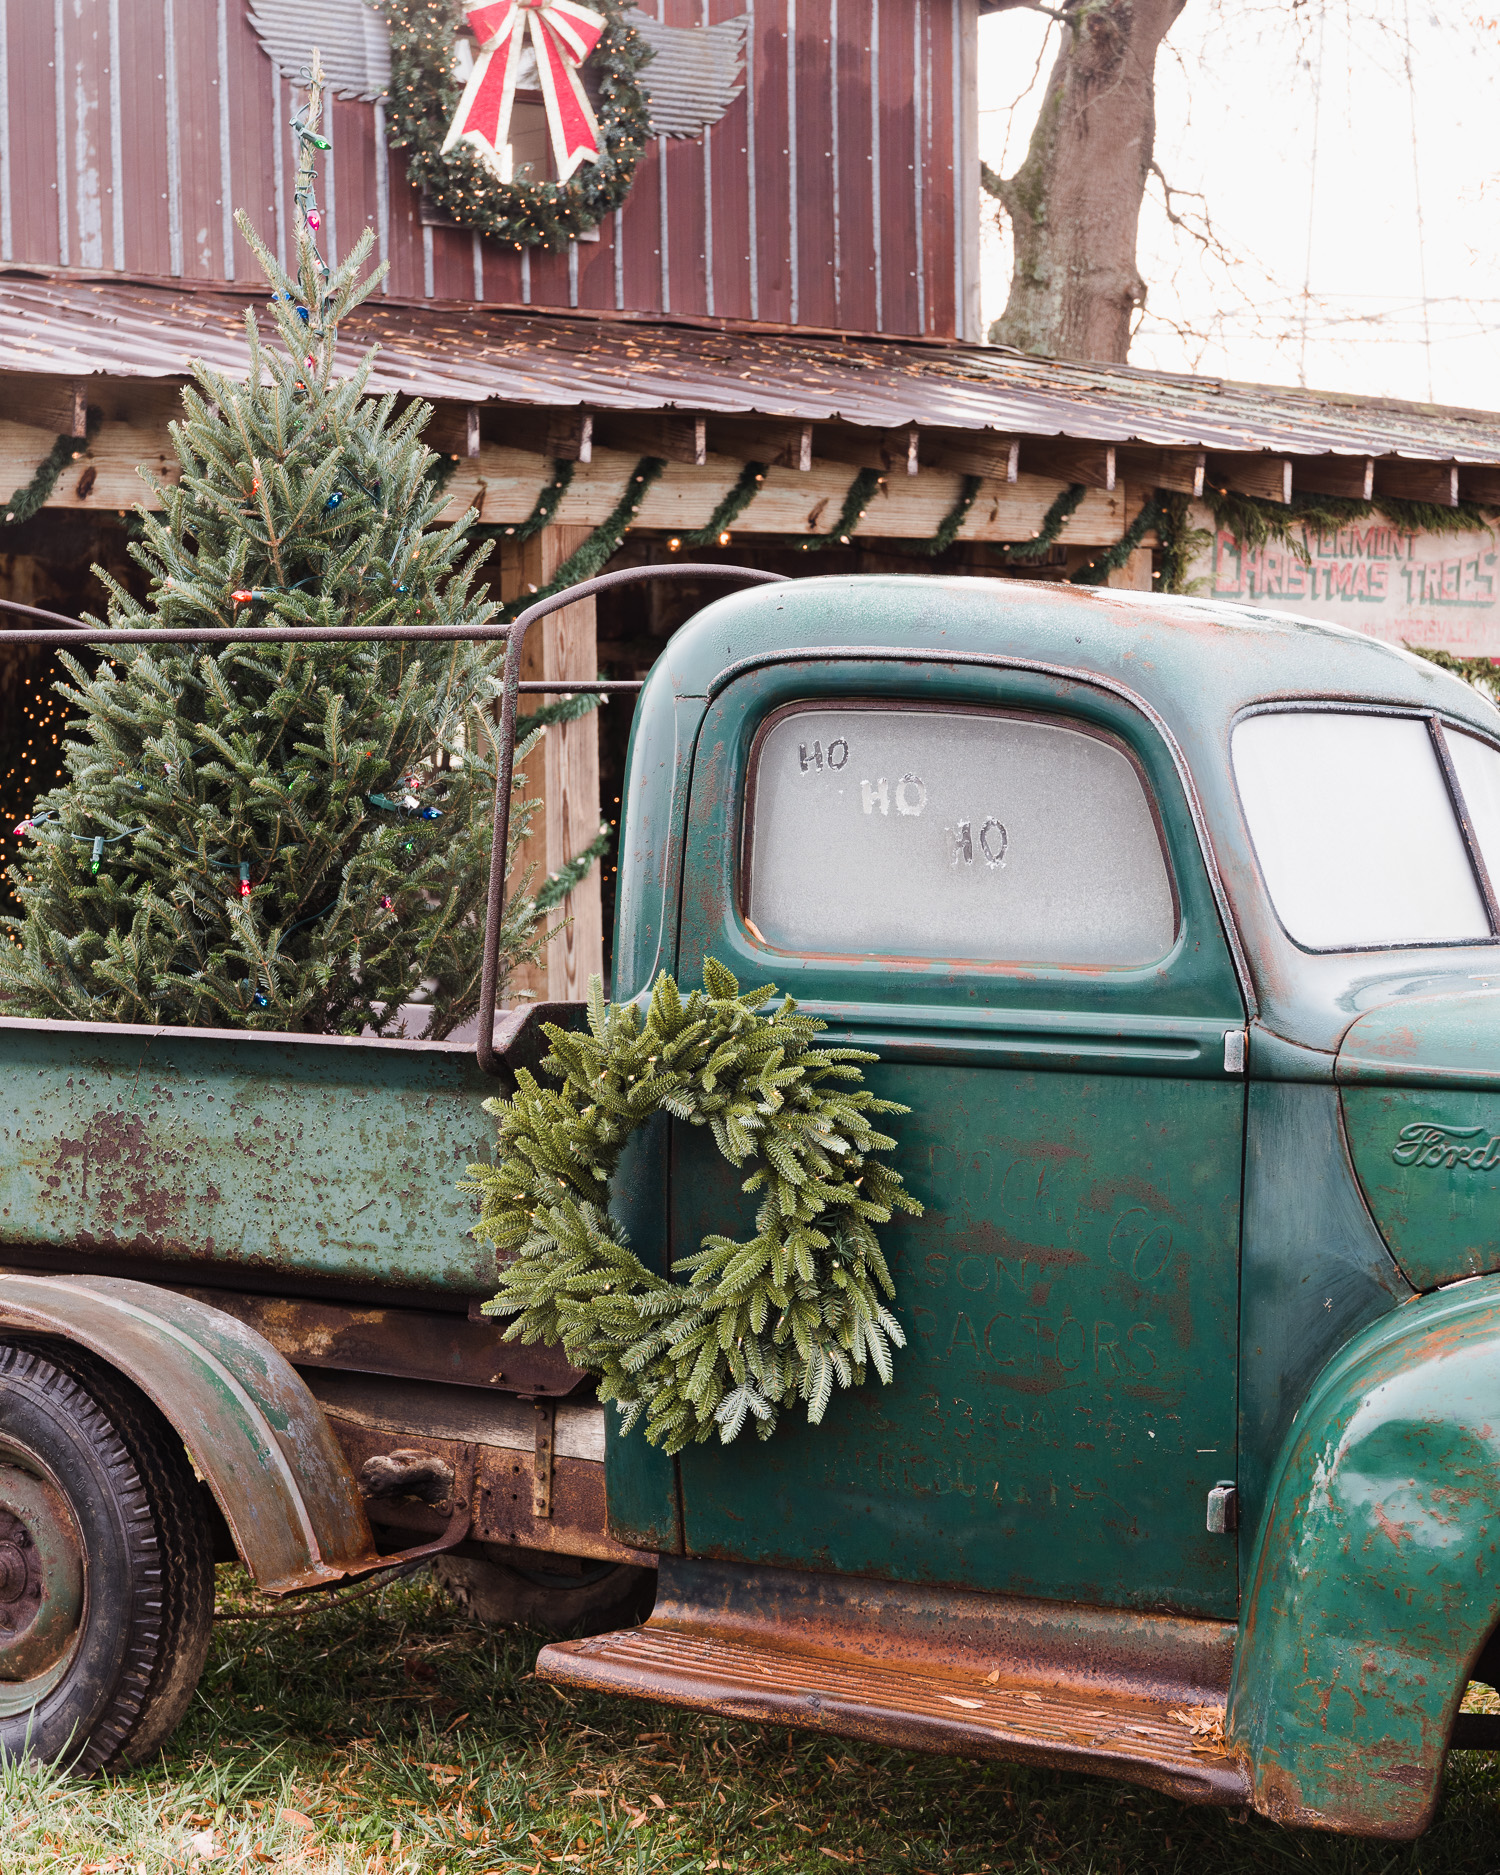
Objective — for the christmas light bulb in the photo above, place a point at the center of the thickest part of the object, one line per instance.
(244, 879)
(98, 852)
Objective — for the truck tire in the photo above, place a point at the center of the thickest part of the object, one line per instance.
(600, 1597)
(106, 1563)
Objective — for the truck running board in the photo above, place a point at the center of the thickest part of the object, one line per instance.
(789, 1649)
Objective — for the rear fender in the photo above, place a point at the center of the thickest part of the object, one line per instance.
(251, 1427)
(1376, 1573)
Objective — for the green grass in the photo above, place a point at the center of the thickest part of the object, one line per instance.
(393, 1737)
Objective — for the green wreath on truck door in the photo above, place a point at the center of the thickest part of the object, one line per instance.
(758, 1326)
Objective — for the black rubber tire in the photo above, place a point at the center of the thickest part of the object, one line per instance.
(608, 1596)
(147, 1553)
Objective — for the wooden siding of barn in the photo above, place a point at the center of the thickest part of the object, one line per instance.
(825, 198)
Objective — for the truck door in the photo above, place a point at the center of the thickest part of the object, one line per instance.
(991, 879)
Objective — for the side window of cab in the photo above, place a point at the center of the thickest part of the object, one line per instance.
(899, 830)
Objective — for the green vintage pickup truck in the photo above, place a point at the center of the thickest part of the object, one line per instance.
(1175, 926)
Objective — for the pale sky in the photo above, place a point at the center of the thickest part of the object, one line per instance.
(1238, 100)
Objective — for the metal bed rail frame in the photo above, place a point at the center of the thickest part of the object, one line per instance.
(64, 632)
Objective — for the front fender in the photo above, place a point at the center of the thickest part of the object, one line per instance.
(250, 1425)
(1376, 1574)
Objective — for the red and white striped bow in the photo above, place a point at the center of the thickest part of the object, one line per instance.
(563, 34)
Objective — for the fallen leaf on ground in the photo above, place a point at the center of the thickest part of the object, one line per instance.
(294, 1819)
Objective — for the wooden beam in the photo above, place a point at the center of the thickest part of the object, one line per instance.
(453, 429)
(862, 449)
(906, 443)
(1350, 476)
(560, 435)
(771, 440)
(563, 772)
(973, 452)
(1257, 473)
(1180, 470)
(1066, 460)
(1436, 482)
(1480, 484)
(676, 438)
(59, 405)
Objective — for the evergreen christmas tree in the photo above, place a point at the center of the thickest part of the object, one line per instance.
(272, 836)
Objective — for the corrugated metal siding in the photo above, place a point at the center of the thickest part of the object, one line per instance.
(454, 353)
(133, 128)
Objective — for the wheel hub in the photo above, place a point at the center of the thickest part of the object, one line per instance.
(41, 1575)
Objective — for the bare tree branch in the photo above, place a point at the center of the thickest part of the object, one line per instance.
(1195, 223)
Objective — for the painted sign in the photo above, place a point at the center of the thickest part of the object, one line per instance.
(1420, 589)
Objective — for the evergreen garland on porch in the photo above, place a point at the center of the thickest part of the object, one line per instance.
(759, 1326)
(1254, 522)
(751, 480)
(32, 496)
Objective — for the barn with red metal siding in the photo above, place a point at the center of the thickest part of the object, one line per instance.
(790, 280)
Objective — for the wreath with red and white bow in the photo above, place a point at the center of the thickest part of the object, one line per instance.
(456, 125)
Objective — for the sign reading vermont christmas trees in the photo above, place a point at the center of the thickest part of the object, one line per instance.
(1407, 588)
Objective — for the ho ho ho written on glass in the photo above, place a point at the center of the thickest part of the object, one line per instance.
(953, 834)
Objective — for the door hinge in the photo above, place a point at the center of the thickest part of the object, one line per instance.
(1234, 1051)
(1223, 1509)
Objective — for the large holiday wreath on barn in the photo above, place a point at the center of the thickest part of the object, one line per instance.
(456, 130)
(758, 1326)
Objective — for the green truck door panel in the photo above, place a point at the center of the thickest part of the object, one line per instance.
(1068, 1395)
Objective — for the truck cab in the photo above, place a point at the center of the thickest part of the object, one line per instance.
(1174, 925)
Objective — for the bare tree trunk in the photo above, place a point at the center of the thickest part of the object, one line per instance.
(1075, 203)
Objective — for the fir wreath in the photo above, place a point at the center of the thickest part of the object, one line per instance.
(758, 1325)
(424, 94)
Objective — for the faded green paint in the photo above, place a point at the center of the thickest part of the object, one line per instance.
(1092, 1080)
(1069, 1306)
(1067, 1397)
(1440, 1213)
(1421, 1095)
(643, 1506)
(1377, 1574)
(1314, 1269)
(295, 1157)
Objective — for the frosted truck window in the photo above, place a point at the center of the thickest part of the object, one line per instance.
(929, 833)
(1354, 830)
(1477, 766)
